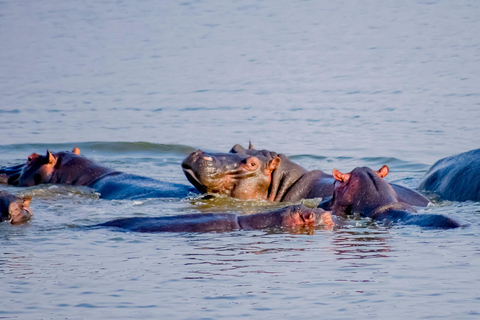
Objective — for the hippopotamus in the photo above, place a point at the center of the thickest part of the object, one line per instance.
(265, 175)
(365, 192)
(455, 178)
(292, 216)
(70, 168)
(14, 209)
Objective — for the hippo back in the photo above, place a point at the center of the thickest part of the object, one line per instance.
(455, 178)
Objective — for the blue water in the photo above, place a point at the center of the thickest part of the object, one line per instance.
(138, 85)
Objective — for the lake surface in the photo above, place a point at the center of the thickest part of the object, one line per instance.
(138, 85)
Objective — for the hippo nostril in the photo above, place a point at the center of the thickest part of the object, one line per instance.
(208, 158)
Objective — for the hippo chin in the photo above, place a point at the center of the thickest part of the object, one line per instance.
(365, 192)
(455, 178)
(14, 209)
(265, 175)
(70, 168)
(289, 217)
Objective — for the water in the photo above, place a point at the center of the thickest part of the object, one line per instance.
(138, 85)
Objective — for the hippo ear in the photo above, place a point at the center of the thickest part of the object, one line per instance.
(340, 176)
(26, 201)
(237, 149)
(274, 164)
(51, 159)
(383, 172)
(250, 145)
(76, 151)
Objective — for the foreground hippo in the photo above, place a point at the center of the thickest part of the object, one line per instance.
(455, 178)
(365, 192)
(14, 209)
(265, 175)
(70, 168)
(292, 216)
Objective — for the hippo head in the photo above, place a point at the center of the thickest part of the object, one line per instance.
(19, 210)
(242, 175)
(361, 191)
(302, 216)
(37, 170)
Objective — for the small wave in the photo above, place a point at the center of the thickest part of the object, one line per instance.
(102, 147)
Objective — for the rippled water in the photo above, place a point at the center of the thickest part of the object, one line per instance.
(138, 85)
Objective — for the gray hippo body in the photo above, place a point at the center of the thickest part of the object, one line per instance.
(455, 178)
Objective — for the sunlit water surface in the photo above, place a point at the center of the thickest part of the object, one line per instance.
(139, 85)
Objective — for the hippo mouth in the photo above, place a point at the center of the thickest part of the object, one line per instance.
(193, 179)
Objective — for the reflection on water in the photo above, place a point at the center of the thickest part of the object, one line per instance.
(361, 244)
(16, 266)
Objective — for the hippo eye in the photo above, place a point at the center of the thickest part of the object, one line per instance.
(29, 159)
(252, 163)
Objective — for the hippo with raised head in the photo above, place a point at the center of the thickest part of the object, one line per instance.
(365, 192)
(265, 175)
(70, 168)
(455, 178)
(293, 216)
(14, 209)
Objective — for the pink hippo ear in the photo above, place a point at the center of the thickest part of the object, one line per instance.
(250, 145)
(51, 158)
(76, 151)
(383, 172)
(340, 176)
(273, 164)
(26, 201)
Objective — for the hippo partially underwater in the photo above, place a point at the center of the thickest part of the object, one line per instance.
(365, 192)
(265, 175)
(288, 217)
(455, 178)
(70, 168)
(14, 209)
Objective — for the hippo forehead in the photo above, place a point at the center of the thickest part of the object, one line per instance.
(264, 155)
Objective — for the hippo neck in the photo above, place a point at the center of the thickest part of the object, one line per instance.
(77, 170)
(283, 178)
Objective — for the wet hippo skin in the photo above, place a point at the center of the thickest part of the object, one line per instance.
(70, 168)
(455, 178)
(292, 216)
(365, 192)
(265, 175)
(14, 209)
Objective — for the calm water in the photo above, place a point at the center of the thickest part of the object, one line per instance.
(138, 85)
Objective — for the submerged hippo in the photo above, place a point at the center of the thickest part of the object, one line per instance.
(455, 178)
(265, 175)
(70, 168)
(365, 192)
(14, 209)
(292, 216)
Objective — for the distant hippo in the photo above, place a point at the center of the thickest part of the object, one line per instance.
(14, 209)
(293, 216)
(455, 178)
(365, 192)
(70, 168)
(265, 175)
